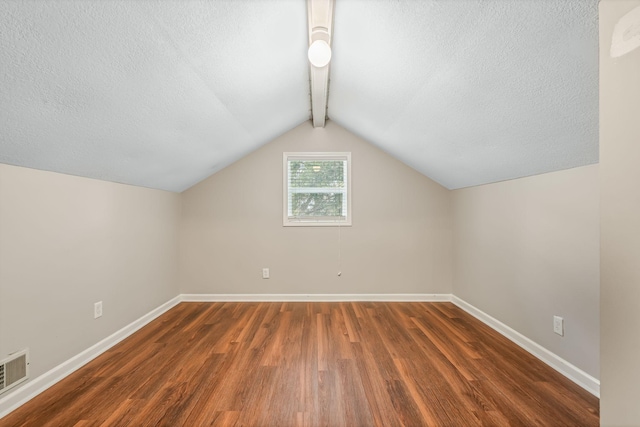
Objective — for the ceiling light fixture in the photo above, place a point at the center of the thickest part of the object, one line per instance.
(320, 19)
(319, 53)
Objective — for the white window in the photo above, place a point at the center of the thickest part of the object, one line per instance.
(317, 189)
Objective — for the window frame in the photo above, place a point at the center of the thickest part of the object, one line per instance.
(307, 222)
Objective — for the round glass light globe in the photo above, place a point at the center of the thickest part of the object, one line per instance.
(319, 53)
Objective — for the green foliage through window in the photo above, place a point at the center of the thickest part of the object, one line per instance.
(317, 188)
(316, 204)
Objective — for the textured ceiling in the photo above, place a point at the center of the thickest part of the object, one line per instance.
(159, 94)
(470, 92)
(164, 93)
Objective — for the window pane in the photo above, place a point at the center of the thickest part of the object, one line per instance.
(316, 173)
(316, 189)
(316, 204)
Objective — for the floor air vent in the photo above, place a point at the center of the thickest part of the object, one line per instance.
(14, 370)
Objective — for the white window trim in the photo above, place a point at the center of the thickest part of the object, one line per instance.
(319, 222)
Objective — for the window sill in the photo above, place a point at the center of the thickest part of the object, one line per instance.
(316, 224)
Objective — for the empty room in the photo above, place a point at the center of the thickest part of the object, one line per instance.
(319, 213)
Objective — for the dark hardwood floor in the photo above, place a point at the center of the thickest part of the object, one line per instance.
(313, 364)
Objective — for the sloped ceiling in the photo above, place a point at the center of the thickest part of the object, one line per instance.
(470, 92)
(159, 94)
(162, 94)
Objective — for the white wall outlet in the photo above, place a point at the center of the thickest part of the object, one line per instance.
(97, 310)
(265, 273)
(558, 325)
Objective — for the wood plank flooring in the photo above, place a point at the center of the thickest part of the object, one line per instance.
(313, 364)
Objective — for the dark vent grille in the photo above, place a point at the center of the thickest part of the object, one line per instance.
(14, 370)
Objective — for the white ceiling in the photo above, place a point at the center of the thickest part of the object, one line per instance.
(162, 94)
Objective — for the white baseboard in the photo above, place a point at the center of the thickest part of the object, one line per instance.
(315, 297)
(575, 374)
(32, 388)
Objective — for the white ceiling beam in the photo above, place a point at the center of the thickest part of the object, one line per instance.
(320, 15)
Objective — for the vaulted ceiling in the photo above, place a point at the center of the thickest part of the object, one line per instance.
(163, 94)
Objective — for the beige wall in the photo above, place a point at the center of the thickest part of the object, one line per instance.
(67, 242)
(620, 224)
(524, 249)
(400, 241)
(528, 249)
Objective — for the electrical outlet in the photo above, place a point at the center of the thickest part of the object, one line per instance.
(558, 325)
(97, 310)
(265, 273)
